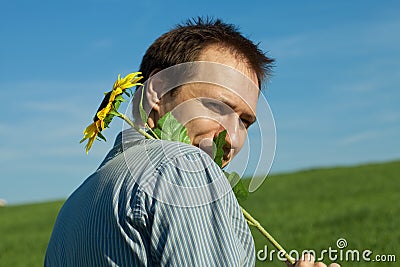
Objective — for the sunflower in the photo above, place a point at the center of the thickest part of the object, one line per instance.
(91, 133)
(109, 107)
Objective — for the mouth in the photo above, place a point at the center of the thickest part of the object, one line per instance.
(206, 145)
(227, 152)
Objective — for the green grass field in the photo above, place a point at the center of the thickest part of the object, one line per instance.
(303, 210)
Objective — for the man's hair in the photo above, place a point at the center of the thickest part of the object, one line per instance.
(186, 41)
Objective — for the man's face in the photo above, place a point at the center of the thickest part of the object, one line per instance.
(207, 109)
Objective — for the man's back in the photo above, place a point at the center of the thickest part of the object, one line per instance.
(113, 219)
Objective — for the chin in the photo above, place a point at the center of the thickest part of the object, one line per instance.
(225, 162)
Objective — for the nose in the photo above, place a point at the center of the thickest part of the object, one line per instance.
(236, 133)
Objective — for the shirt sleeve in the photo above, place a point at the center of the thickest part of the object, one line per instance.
(206, 233)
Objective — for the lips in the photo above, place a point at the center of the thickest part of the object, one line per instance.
(227, 152)
(206, 144)
(226, 158)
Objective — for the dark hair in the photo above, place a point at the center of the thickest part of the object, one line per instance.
(185, 42)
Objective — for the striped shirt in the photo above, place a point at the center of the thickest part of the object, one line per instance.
(152, 203)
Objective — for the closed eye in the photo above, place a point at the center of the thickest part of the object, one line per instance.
(247, 122)
(215, 106)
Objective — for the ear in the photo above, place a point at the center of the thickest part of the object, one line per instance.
(153, 118)
(153, 99)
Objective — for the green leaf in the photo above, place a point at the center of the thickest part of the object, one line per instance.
(168, 128)
(107, 120)
(238, 188)
(240, 191)
(219, 151)
(99, 134)
(232, 177)
(116, 105)
(127, 93)
(143, 114)
(114, 112)
(119, 98)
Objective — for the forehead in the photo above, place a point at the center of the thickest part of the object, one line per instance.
(233, 73)
(228, 56)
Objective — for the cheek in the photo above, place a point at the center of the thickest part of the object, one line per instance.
(201, 127)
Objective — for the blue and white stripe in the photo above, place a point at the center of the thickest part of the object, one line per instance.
(113, 219)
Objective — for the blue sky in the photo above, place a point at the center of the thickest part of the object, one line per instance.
(334, 93)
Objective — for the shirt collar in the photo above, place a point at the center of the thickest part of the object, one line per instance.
(124, 140)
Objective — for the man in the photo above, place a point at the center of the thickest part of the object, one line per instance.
(157, 203)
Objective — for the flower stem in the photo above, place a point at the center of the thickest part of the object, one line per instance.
(140, 130)
(255, 223)
(151, 130)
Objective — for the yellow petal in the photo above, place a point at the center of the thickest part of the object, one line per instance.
(130, 76)
(90, 143)
(90, 130)
(127, 81)
(131, 79)
(136, 73)
(115, 84)
(137, 79)
(116, 91)
(90, 133)
(124, 83)
(112, 96)
(98, 126)
(102, 114)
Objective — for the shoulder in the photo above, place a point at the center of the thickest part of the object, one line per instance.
(159, 155)
(176, 173)
(188, 161)
(169, 172)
